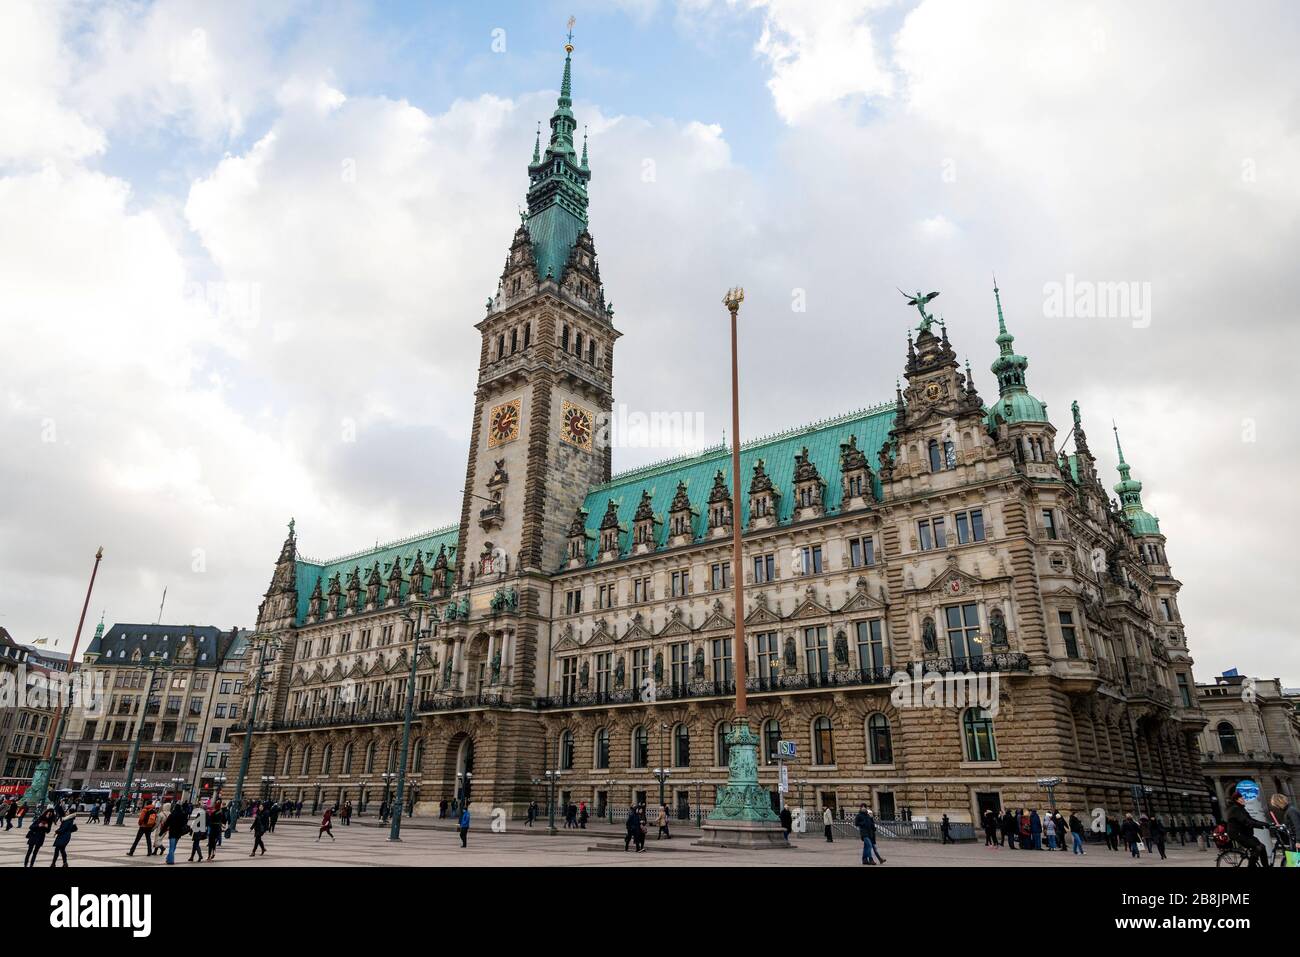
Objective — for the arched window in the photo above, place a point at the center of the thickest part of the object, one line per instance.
(880, 749)
(370, 758)
(936, 460)
(771, 735)
(602, 748)
(978, 731)
(528, 334)
(417, 762)
(347, 758)
(306, 760)
(564, 338)
(288, 761)
(566, 751)
(681, 746)
(823, 743)
(391, 764)
(640, 747)
(577, 344)
(326, 759)
(1228, 743)
(723, 749)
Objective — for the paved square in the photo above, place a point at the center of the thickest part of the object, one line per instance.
(425, 844)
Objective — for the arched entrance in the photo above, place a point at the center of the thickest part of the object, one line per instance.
(460, 759)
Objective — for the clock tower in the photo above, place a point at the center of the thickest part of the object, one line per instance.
(544, 394)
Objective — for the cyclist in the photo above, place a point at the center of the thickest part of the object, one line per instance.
(1286, 817)
(1241, 828)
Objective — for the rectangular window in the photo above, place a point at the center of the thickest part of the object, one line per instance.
(720, 575)
(681, 581)
(722, 666)
(681, 664)
(970, 526)
(1167, 609)
(768, 644)
(764, 569)
(931, 533)
(573, 602)
(640, 590)
(568, 678)
(1068, 634)
(816, 646)
(603, 663)
(1184, 690)
(605, 596)
(871, 646)
(964, 639)
(640, 666)
(862, 551)
(1049, 523)
(810, 560)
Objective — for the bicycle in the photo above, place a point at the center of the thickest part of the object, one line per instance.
(1234, 855)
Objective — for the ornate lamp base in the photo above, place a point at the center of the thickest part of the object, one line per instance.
(35, 794)
(743, 815)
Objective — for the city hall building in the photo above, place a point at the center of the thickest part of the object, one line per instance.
(582, 623)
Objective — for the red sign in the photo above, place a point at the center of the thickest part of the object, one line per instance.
(13, 790)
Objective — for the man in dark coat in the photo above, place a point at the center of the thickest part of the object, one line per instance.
(866, 825)
(261, 824)
(787, 822)
(633, 825)
(1241, 829)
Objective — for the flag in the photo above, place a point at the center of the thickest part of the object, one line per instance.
(1230, 673)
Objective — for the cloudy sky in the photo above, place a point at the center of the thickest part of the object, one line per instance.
(243, 246)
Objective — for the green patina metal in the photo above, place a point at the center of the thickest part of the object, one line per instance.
(742, 798)
(307, 571)
(557, 186)
(1129, 490)
(1014, 404)
(870, 427)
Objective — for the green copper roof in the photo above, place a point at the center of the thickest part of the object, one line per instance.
(1014, 404)
(308, 571)
(557, 187)
(823, 439)
(1129, 490)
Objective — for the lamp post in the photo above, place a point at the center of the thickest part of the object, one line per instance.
(177, 783)
(742, 815)
(236, 804)
(552, 779)
(417, 647)
(389, 777)
(268, 781)
(662, 775)
(465, 779)
(41, 784)
(609, 792)
(218, 782)
(155, 662)
(698, 782)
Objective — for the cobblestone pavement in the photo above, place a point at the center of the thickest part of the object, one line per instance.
(294, 844)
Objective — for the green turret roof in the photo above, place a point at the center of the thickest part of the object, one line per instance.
(557, 187)
(870, 428)
(1129, 490)
(1014, 404)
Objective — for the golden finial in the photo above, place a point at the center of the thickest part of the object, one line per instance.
(734, 297)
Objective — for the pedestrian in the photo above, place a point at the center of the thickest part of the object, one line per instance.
(990, 829)
(174, 828)
(661, 821)
(1132, 835)
(464, 826)
(642, 828)
(145, 824)
(261, 824)
(866, 825)
(10, 813)
(1158, 836)
(582, 815)
(199, 825)
(532, 811)
(1076, 832)
(945, 829)
(216, 822)
(61, 838)
(275, 816)
(164, 812)
(787, 822)
(1035, 830)
(37, 831)
(94, 813)
(326, 826)
(383, 812)
(827, 818)
(1049, 829)
(1009, 829)
(347, 814)
(1286, 815)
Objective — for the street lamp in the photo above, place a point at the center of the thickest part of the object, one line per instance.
(662, 775)
(464, 780)
(218, 782)
(552, 779)
(418, 636)
(609, 791)
(176, 788)
(662, 772)
(267, 781)
(155, 662)
(261, 641)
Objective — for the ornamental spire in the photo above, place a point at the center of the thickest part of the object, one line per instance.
(1129, 490)
(537, 145)
(1008, 367)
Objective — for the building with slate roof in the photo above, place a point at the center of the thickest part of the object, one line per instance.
(582, 621)
(24, 725)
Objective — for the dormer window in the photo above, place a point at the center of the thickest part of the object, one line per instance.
(854, 486)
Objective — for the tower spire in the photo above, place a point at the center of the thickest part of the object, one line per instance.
(537, 145)
(1129, 490)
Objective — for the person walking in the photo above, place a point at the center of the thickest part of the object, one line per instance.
(261, 824)
(463, 826)
(787, 822)
(582, 815)
(1285, 815)
(275, 816)
(94, 814)
(1009, 829)
(1132, 835)
(1158, 836)
(532, 811)
(661, 822)
(160, 822)
(1049, 829)
(326, 825)
(642, 828)
(61, 838)
(383, 812)
(216, 822)
(827, 818)
(945, 829)
(174, 828)
(1076, 832)
(37, 831)
(632, 825)
(199, 825)
(990, 829)
(866, 825)
(1035, 830)
(145, 824)
(347, 814)
(10, 813)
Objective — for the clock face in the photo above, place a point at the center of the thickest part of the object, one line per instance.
(503, 423)
(932, 391)
(576, 425)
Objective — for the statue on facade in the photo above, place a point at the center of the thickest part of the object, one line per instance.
(446, 673)
(496, 668)
(998, 628)
(929, 637)
(659, 667)
(697, 668)
(920, 300)
(841, 649)
(584, 676)
(789, 654)
(620, 673)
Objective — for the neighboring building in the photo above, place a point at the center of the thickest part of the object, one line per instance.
(934, 529)
(1252, 731)
(178, 718)
(24, 731)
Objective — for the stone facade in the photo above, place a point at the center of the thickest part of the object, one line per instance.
(582, 623)
(24, 731)
(1252, 731)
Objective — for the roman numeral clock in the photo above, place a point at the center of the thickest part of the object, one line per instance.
(576, 425)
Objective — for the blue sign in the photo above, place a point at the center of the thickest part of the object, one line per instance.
(1248, 789)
